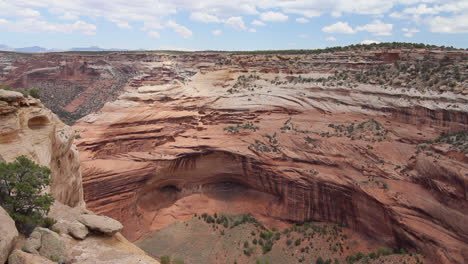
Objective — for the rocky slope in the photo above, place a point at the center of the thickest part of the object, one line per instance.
(239, 133)
(28, 128)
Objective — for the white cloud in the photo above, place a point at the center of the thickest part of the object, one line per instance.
(154, 13)
(271, 16)
(302, 20)
(252, 30)
(68, 16)
(216, 32)
(123, 25)
(154, 34)
(179, 29)
(204, 17)
(458, 24)
(310, 13)
(35, 25)
(236, 23)
(409, 32)
(377, 27)
(258, 23)
(368, 41)
(148, 26)
(303, 36)
(331, 38)
(340, 28)
(336, 14)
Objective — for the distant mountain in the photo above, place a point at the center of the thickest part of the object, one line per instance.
(32, 49)
(95, 48)
(42, 49)
(5, 48)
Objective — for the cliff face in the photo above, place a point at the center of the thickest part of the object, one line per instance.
(28, 128)
(242, 137)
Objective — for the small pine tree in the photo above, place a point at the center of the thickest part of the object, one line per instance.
(21, 193)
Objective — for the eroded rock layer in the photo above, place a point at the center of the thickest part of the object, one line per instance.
(239, 133)
(28, 128)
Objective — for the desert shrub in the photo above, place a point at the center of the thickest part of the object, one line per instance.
(298, 242)
(34, 92)
(248, 251)
(165, 260)
(21, 193)
(267, 246)
(5, 87)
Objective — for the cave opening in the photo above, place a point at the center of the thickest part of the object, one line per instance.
(38, 122)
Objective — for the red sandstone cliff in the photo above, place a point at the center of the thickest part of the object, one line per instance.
(161, 153)
(170, 145)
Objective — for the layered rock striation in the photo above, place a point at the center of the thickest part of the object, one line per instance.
(371, 139)
(242, 137)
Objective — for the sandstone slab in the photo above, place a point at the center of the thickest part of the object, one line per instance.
(102, 224)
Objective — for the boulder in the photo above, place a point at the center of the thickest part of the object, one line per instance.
(48, 244)
(52, 246)
(74, 228)
(102, 224)
(78, 230)
(61, 227)
(33, 243)
(8, 235)
(21, 257)
(10, 96)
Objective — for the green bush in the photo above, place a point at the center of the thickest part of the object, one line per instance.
(165, 260)
(298, 242)
(320, 261)
(21, 193)
(5, 87)
(34, 92)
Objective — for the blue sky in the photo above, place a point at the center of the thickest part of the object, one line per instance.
(230, 25)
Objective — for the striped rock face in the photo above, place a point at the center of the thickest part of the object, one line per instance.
(280, 138)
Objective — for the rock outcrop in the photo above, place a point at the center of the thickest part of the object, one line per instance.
(9, 235)
(28, 128)
(229, 139)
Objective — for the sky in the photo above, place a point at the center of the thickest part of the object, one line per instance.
(230, 24)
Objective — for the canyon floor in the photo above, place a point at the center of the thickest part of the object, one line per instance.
(373, 142)
(213, 239)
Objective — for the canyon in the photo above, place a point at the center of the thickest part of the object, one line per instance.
(288, 138)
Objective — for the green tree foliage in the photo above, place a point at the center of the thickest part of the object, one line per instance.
(22, 183)
(34, 92)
